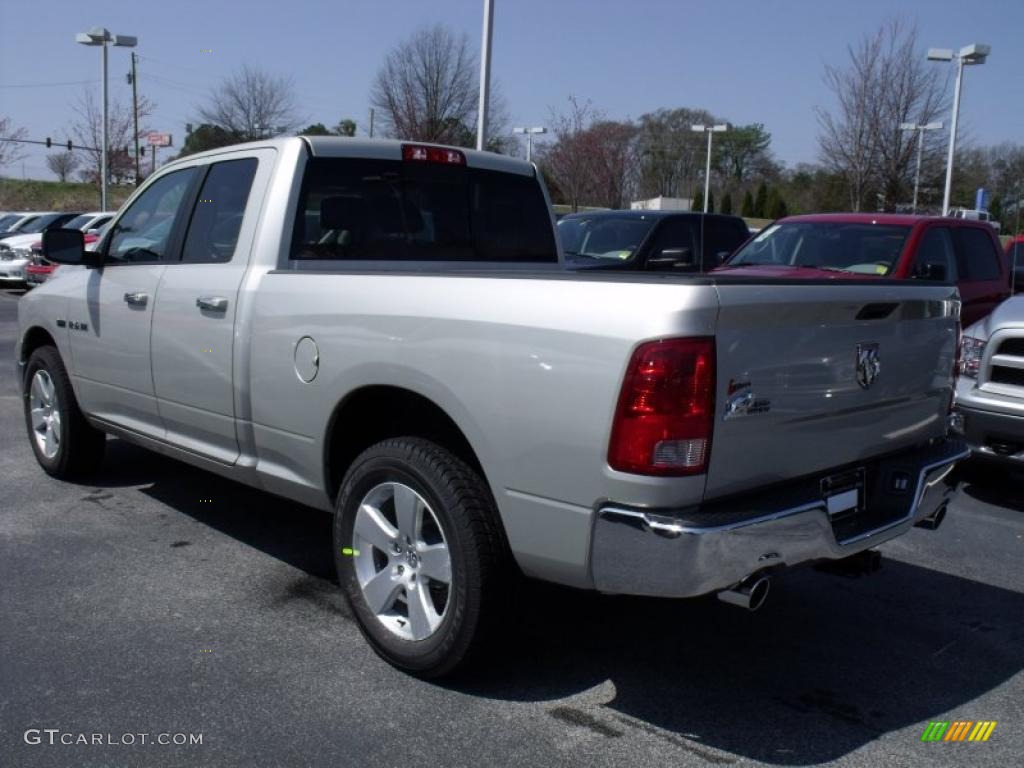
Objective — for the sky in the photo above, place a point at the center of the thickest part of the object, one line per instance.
(743, 60)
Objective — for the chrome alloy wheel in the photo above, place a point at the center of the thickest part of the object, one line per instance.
(45, 410)
(402, 561)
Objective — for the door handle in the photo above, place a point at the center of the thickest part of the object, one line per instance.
(137, 299)
(212, 303)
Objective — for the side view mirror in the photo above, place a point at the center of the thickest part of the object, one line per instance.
(721, 256)
(671, 257)
(935, 272)
(67, 246)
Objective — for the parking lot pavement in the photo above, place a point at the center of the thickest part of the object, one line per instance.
(159, 599)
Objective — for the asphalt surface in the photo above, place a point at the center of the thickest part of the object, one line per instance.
(159, 599)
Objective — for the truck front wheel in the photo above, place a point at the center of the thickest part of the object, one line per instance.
(64, 443)
(418, 554)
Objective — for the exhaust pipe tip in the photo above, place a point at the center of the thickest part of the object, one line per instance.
(934, 520)
(749, 593)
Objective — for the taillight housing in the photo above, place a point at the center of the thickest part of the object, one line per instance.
(665, 413)
(971, 352)
(424, 154)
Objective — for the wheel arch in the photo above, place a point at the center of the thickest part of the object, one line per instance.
(35, 337)
(373, 413)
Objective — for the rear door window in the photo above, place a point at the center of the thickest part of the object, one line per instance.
(217, 217)
(386, 210)
(977, 256)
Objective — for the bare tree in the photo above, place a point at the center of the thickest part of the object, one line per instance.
(252, 104)
(63, 164)
(568, 159)
(427, 89)
(10, 151)
(613, 153)
(87, 131)
(885, 82)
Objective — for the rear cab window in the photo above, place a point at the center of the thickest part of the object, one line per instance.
(359, 210)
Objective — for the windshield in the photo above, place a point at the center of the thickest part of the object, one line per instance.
(6, 221)
(23, 225)
(869, 249)
(38, 224)
(79, 222)
(602, 237)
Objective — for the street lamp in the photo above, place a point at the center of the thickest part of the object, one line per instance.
(976, 53)
(485, 75)
(710, 130)
(920, 144)
(529, 138)
(100, 36)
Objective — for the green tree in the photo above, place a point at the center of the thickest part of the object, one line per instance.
(726, 203)
(698, 200)
(747, 208)
(995, 208)
(345, 127)
(316, 129)
(208, 136)
(761, 201)
(776, 206)
(742, 151)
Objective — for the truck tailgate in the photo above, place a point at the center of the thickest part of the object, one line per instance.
(812, 378)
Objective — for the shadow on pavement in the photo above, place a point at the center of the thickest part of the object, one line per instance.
(291, 532)
(994, 484)
(829, 665)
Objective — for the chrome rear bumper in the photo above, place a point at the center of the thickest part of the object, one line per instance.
(678, 554)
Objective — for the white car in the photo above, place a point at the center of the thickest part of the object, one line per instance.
(975, 215)
(16, 248)
(19, 222)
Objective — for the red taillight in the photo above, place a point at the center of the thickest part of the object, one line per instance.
(425, 154)
(666, 408)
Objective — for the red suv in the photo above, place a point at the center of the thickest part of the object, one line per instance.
(855, 245)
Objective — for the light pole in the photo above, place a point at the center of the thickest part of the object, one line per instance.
(920, 145)
(100, 36)
(485, 76)
(710, 130)
(530, 132)
(976, 53)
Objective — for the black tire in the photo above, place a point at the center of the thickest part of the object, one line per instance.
(465, 511)
(81, 446)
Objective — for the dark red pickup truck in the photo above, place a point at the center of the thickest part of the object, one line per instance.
(854, 245)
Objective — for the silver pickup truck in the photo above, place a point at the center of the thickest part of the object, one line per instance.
(387, 331)
(990, 389)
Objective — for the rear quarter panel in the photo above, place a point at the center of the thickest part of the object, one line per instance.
(529, 369)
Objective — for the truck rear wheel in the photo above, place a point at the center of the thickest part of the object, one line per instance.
(418, 554)
(64, 443)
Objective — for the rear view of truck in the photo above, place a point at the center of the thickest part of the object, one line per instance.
(824, 413)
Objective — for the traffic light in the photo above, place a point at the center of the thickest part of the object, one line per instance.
(69, 145)
(142, 151)
(47, 142)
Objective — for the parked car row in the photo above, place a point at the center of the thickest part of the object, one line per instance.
(21, 260)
